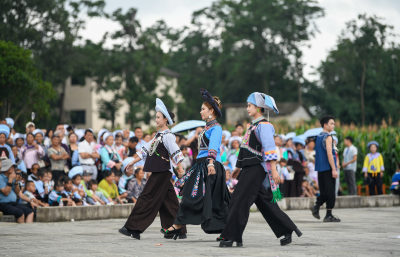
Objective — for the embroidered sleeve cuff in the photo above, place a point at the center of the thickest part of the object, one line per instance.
(177, 157)
(212, 154)
(58, 199)
(142, 153)
(270, 156)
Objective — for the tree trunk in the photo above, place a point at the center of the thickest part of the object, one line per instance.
(362, 86)
(61, 102)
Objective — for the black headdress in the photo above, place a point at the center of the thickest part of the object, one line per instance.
(207, 97)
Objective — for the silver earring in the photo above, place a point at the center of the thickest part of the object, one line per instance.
(209, 116)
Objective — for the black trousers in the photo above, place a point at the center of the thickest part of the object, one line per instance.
(158, 196)
(250, 190)
(326, 185)
(376, 182)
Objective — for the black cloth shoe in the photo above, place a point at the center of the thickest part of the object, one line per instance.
(220, 238)
(331, 218)
(229, 243)
(130, 233)
(286, 240)
(315, 212)
(174, 234)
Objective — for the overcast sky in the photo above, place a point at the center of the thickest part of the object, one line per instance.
(177, 13)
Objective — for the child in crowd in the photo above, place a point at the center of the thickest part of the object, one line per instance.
(230, 182)
(99, 196)
(127, 175)
(48, 181)
(90, 198)
(77, 187)
(124, 194)
(71, 192)
(395, 187)
(29, 192)
(58, 196)
(307, 189)
(187, 159)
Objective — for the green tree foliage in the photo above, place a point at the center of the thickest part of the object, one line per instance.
(360, 78)
(22, 90)
(237, 47)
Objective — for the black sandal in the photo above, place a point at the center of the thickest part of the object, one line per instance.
(174, 234)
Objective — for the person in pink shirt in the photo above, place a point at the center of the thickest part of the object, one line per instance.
(31, 152)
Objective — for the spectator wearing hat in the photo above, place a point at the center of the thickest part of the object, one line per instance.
(58, 158)
(297, 161)
(127, 175)
(233, 153)
(373, 168)
(88, 154)
(110, 159)
(349, 165)
(30, 127)
(9, 190)
(5, 150)
(31, 152)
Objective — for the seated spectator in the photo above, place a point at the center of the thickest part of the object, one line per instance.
(37, 177)
(58, 196)
(9, 190)
(99, 195)
(5, 150)
(71, 192)
(131, 149)
(307, 189)
(136, 185)
(91, 198)
(30, 190)
(123, 195)
(88, 154)
(109, 186)
(127, 176)
(395, 187)
(58, 158)
(147, 138)
(31, 152)
(110, 159)
(77, 186)
(18, 161)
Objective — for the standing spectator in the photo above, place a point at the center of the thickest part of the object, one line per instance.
(5, 150)
(325, 164)
(350, 165)
(58, 158)
(60, 129)
(119, 145)
(30, 127)
(239, 129)
(39, 137)
(338, 188)
(19, 162)
(139, 134)
(9, 190)
(48, 137)
(395, 187)
(110, 159)
(131, 149)
(373, 168)
(31, 152)
(87, 153)
(72, 146)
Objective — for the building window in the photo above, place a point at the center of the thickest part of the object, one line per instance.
(78, 117)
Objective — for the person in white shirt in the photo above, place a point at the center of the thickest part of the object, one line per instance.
(350, 165)
(88, 154)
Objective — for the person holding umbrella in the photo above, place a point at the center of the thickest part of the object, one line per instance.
(205, 196)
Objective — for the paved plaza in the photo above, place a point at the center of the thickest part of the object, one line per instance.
(362, 232)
